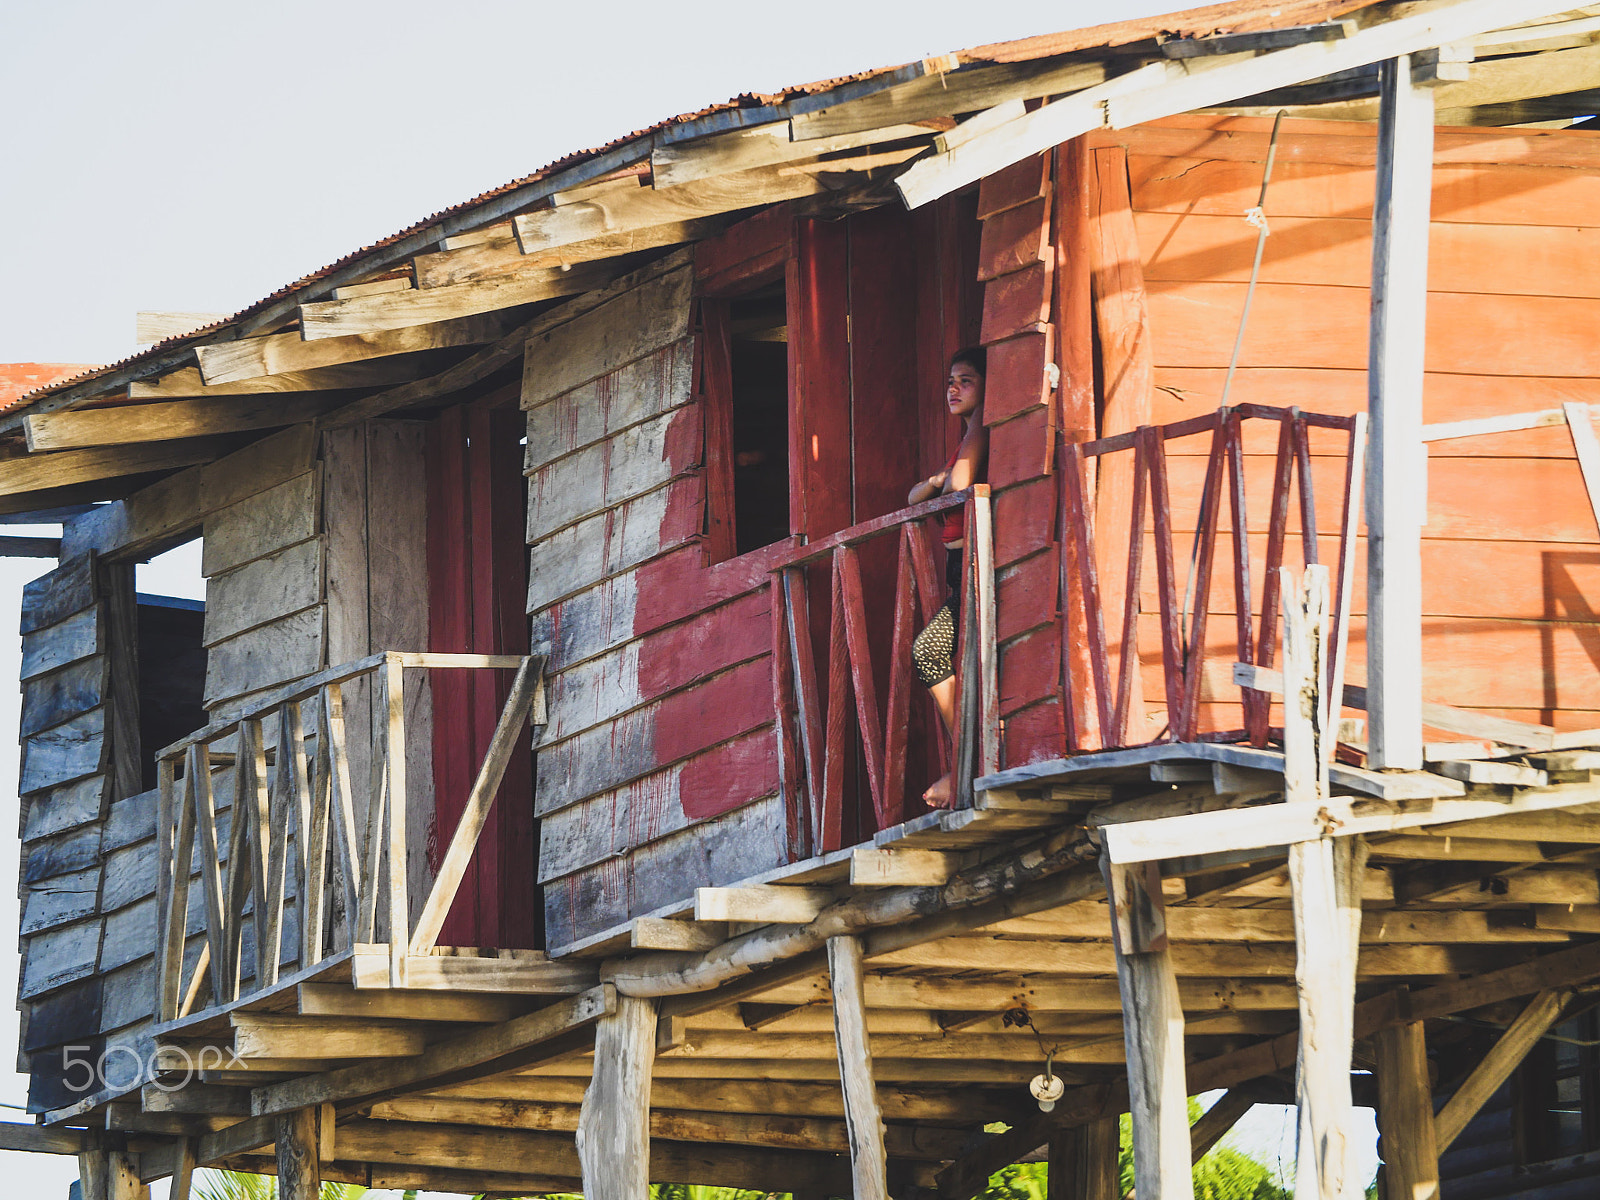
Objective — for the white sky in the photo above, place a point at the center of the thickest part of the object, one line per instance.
(197, 156)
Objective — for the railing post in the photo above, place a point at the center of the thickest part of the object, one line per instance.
(988, 652)
(394, 693)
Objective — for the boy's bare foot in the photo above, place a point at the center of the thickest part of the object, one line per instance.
(940, 795)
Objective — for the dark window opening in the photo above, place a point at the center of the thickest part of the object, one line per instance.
(1556, 1092)
(746, 387)
(172, 674)
(168, 652)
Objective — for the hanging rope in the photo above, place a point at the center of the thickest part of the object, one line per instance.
(1256, 217)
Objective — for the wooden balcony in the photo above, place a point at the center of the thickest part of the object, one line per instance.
(316, 874)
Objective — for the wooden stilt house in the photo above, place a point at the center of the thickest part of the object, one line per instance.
(533, 804)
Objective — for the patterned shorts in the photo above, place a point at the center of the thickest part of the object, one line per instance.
(933, 653)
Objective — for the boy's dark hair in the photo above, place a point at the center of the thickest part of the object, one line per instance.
(975, 357)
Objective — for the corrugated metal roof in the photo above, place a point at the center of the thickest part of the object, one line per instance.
(1234, 16)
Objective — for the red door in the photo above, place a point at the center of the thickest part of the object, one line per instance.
(477, 590)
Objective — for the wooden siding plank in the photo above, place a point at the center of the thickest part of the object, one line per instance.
(68, 641)
(66, 807)
(615, 822)
(680, 656)
(604, 406)
(261, 524)
(53, 597)
(65, 752)
(602, 476)
(640, 321)
(268, 655)
(747, 841)
(61, 695)
(613, 541)
(263, 590)
(729, 704)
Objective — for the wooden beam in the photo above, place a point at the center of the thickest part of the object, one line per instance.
(614, 1124)
(945, 92)
(655, 933)
(1282, 824)
(187, 383)
(1543, 1011)
(124, 424)
(278, 1035)
(158, 326)
(1405, 1114)
(299, 1169)
(1327, 916)
(30, 547)
(337, 1000)
(758, 146)
(1396, 498)
(524, 976)
(1165, 89)
(284, 353)
(761, 904)
(37, 472)
(1225, 1112)
(868, 1160)
(873, 867)
(40, 1139)
(1152, 1037)
(496, 355)
(499, 1047)
(183, 1173)
(641, 208)
(421, 306)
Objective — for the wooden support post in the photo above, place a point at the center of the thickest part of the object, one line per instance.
(1524, 1033)
(1396, 479)
(869, 1164)
(1325, 877)
(109, 1175)
(183, 1173)
(1405, 1115)
(614, 1122)
(1083, 1162)
(299, 1144)
(1152, 1031)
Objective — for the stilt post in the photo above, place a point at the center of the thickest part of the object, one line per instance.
(299, 1164)
(869, 1163)
(1152, 1030)
(1405, 1115)
(1324, 877)
(614, 1122)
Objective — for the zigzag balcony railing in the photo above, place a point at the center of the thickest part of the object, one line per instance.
(297, 815)
(819, 734)
(1100, 672)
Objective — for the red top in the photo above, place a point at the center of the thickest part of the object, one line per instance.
(954, 526)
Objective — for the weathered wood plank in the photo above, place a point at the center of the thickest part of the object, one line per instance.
(263, 590)
(261, 524)
(426, 306)
(68, 641)
(635, 461)
(160, 421)
(53, 597)
(280, 353)
(61, 695)
(57, 957)
(657, 805)
(1405, 1113)
(59, 901)
(628, 395)
(640, 321)
(864, 1119)
(63, 808)
(610, 542)
(734, 702)
(268, 655)
(65, 752)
